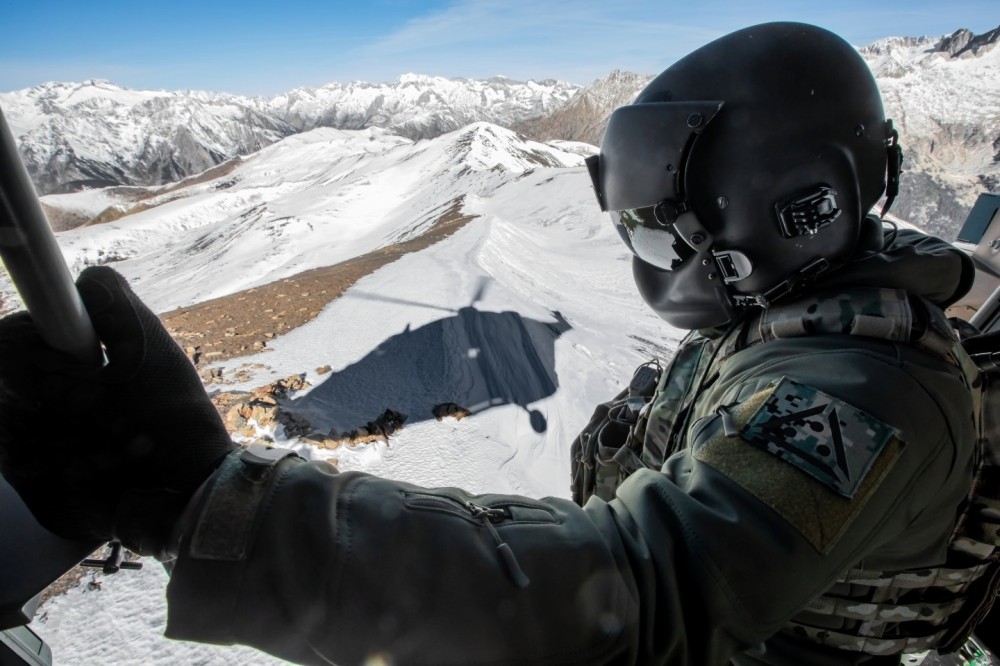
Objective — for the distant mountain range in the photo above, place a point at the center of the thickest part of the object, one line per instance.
(944, 96)
(943, 93)
(97, 134)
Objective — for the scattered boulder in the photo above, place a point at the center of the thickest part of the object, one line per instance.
(291, 383)
(260, 406)
(378, 430)
(450, 409)
(363, 436)
(390, 421)
(212, 375)
(296, 425)
(244, 414)
(322, 441)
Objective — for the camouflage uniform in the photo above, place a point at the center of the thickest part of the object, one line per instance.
(793, 462)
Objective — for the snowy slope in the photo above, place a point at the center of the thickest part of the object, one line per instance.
(313, 199)
(528, 315)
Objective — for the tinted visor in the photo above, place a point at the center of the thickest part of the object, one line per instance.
(644, 150)
(651, 240)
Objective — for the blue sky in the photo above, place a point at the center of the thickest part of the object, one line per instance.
(264, 48)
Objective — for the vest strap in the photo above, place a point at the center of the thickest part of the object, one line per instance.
(867, 644)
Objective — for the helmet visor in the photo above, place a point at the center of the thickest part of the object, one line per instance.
(644, 151)
(651, 240)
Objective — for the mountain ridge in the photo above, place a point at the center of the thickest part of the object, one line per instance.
(98, 134)
(313, 199)
(943, 94)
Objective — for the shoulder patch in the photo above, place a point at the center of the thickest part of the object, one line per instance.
(821, 435)
(771, 446)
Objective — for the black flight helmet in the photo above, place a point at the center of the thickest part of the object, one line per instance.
(745, 170)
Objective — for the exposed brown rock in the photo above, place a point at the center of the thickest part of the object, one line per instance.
(450, 409)
(241, 323)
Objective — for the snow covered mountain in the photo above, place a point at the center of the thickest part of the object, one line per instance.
(585, 115)
(420, 107)
(944, 96)
(96, 134)
(942, 92)
(313, 199)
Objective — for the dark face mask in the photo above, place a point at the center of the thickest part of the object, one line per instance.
(685, 298)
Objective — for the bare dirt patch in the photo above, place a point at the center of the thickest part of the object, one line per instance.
(63, 220)
(245, 322)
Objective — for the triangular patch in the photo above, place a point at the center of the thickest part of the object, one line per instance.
(819, 434)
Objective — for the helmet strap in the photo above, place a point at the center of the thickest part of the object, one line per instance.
(791, 285)
(894, 166)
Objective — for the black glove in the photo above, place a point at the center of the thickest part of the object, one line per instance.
(112, 452)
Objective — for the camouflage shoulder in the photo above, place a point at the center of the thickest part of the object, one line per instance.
(811, 457)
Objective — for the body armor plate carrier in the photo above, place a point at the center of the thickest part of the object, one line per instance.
(873, 612)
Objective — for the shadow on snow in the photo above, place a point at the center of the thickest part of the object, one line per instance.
(478, 360)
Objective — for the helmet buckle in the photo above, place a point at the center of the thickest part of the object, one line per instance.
(688, 227)
(808, 213)
(667, 211)
(733, 265)
(894, 166)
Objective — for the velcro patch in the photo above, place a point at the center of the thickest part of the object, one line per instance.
(819, 434)
(818, 511)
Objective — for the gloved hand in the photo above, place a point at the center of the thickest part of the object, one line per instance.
(112, 452)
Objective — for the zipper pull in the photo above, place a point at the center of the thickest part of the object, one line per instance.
(488, 516)
(514, 569)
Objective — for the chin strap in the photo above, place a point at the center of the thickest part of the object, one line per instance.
(789, 286)
(894, 165)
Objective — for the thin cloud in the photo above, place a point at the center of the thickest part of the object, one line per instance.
(524, 39)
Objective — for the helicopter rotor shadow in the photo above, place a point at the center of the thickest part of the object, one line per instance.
(478, 360)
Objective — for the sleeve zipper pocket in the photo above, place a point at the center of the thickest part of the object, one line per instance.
(487, 516)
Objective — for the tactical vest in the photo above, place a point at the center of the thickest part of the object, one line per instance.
(873, 612)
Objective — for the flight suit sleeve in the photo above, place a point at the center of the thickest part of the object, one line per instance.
(349, 568)
(688, 565)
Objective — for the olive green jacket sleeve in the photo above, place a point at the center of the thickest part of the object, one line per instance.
(687, 566)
